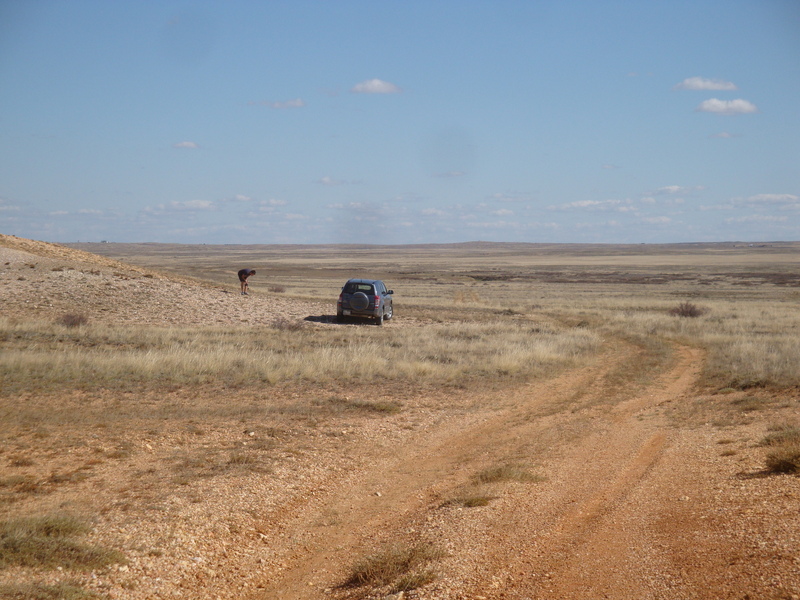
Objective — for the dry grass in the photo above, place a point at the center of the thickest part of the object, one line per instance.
(687, 309)
(742, 300)
(48, 542)
(73, 319)
(404, 567)
(506, 472)
(40, 591)
(783, 455)
(47, 357)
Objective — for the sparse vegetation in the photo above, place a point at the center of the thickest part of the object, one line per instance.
(470, 499)
(48, 541)
(73, 320)
(783, 455)
(40, 591)
(687, 309)
(506, 472)
(284, 324)
(402, 566)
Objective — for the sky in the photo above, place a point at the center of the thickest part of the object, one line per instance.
(388, 122)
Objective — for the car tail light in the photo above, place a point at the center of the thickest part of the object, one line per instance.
(377, 300)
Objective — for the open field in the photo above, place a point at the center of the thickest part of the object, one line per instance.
(538, 421)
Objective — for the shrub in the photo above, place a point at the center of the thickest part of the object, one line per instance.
(284, 324)
(73, 319)
(687, 309)
(785, 459)
(784, 454)
(400, 564)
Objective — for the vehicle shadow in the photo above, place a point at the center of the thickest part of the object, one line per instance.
(332, 320)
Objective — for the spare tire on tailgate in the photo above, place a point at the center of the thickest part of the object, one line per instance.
(359, 301)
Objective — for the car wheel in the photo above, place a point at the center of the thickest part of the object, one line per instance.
(339, 318)
(389, 313)
(359, 301)
(379, 319)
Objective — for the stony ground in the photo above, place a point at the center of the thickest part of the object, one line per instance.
(623, 492)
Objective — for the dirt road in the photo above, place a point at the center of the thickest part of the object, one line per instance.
(628, 507)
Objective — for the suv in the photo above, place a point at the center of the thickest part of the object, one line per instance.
(365, 298)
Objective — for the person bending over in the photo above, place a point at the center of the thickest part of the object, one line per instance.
(243, 275)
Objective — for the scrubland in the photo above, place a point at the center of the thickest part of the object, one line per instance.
(85, 396)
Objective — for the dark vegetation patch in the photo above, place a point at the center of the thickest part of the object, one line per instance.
(49, 542)
(403, 566)
(687, 309)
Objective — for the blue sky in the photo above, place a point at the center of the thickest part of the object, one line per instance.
(400, 122)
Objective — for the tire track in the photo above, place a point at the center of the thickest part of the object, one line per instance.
(413, 480)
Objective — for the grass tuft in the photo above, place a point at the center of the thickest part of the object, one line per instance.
(47, 542)
(784, 453)
(73, 320)
(403, 566)
(471, 500)
(38, 591)
(284, 324)
(687, 309)
(506, 472)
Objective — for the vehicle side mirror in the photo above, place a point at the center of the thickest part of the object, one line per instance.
(390, 292)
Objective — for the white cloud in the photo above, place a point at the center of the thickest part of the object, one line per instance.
(773, 199)
(274, 202)
(192, 204)
(331, 181)
(348, 206)
(589, 205)
(58, 213)
(238, 198)
(503, 212)
(757, 219)
(701, 83)
(724, 135)
(433, 212)
(89, 211)
(503, 197)
(727, 107)
(656, 220)
(375, 86)
(296, 103)
(190, 145)
(671, 190)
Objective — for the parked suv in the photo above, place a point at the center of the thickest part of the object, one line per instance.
(365, 298)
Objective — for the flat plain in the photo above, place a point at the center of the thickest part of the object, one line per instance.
(537, 421)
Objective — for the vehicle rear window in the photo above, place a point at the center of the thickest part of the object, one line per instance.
(352, 288)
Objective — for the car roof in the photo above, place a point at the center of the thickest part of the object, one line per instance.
(363, 281)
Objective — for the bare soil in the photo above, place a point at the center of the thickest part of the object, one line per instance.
(638, 489)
